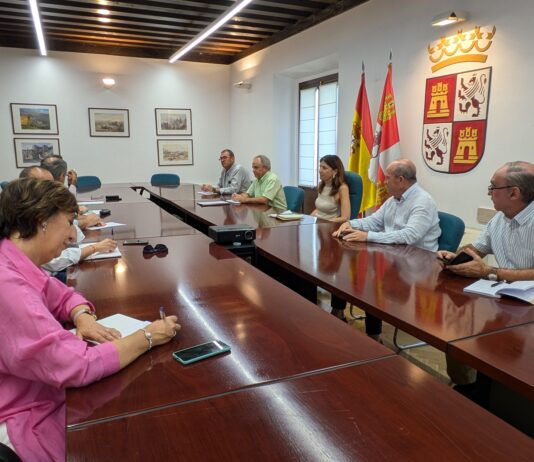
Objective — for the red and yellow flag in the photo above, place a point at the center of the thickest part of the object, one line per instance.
(386, 143)
(361, 145)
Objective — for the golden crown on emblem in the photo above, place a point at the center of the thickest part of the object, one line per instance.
(461, 48)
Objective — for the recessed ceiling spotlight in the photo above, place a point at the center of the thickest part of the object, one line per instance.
(108, 82)
(104, 19)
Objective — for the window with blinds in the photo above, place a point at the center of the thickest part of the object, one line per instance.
(317, 125)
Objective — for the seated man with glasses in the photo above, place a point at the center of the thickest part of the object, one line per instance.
(509, 236)
(233, 179)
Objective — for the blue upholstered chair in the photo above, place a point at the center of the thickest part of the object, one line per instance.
(354, 182)
(294, 198)
(452, 231)
(4, 184)
(88, 182)
(165, 179)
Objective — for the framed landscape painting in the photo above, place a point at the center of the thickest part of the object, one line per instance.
(109, 122)
(30, 151)
(173, 122)
(175, 152)
(34, 119)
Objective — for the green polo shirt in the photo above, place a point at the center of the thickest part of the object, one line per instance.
(269, 186)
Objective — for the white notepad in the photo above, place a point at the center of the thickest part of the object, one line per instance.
(124, 324)
(100, 255)
(109, 224)
(523, 290)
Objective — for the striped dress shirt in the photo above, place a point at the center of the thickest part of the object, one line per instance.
(511, 241)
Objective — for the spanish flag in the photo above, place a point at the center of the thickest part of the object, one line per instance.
(386, 143)
(361, 145)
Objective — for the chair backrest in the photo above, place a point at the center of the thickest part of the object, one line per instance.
(4, 184)
(88, 182)
(165, 179)
(452, 231)
(354, 182)
(294, 198)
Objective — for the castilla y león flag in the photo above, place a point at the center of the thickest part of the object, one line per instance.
(361, 144)
(386, 143)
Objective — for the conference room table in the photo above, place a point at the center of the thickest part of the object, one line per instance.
(183, 201)
(105, 192)
(274, 333)
(506, 355)
(140, 219)
(298, 384)
(387, 410)
(400, 284)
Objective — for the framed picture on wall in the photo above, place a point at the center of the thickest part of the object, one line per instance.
(30, 151)
(34, 119)
(175, 152)
(109, 122)
(172, 122)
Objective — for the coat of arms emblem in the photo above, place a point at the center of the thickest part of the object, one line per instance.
(455, 120)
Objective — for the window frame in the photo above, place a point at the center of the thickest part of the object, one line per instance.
(313, 83)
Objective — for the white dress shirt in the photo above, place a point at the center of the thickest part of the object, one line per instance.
(412, 219)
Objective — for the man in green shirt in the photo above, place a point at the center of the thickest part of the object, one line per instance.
(266, 188)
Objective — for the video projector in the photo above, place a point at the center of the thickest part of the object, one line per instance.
(232, 234)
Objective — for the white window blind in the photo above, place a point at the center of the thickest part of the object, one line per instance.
(317, 127)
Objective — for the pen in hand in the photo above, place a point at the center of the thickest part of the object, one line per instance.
(162, 313)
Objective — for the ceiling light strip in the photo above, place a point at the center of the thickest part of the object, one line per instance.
(210, 30)
(38, 28)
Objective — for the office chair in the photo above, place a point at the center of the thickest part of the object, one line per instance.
(354, 182)
(294, 198)
(452, 231)
(4, 184)
(165, 179)
(88, 182)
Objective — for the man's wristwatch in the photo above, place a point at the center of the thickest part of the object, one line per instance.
(492, 275)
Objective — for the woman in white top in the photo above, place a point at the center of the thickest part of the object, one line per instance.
(333, 201)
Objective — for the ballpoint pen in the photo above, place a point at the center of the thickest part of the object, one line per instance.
(162, 313)
(498, 283)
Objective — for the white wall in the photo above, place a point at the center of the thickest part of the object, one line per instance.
(72, 82)
(264, 118)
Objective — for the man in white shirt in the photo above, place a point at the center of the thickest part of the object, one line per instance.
(234, 178)
(70, 255)
(409, 216)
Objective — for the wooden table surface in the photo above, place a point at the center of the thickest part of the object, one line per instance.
(400, 284)
(387, 410)
(142, 220)
(123, 190)
(507, 356)
(274, 333)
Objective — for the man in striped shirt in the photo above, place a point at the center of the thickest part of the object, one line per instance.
(509, 235)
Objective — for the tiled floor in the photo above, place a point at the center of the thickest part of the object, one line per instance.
(427, 357)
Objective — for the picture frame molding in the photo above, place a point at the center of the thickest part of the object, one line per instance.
(33, 140)
(161, 132)
(92, 126)
(54, 129)
(160, 143)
